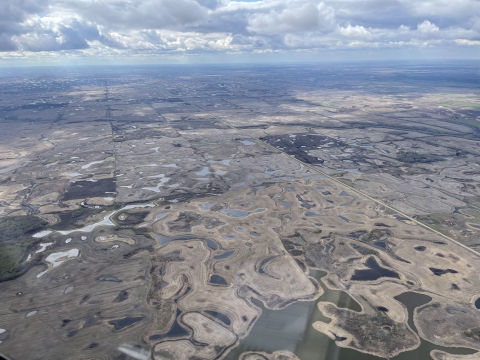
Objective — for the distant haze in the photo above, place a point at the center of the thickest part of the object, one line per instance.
(47, 32)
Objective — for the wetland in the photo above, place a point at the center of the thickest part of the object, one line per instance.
(228, 213)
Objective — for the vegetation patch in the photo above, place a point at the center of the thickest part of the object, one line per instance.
(473, 333)
(88, 189)
(410, 157)
(15, 240)
(128, 219)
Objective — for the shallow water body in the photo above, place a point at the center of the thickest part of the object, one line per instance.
(235, 212)
(374, 272)
(165, 240)
(291, 329)
(125, 322)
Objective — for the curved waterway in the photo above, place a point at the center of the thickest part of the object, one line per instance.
(291, 329)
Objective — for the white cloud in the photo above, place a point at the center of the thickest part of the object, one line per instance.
(296, 17)
(130, 27)
(355, 32)
(427, 28)
(468, 42)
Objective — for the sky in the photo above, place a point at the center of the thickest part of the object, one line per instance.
(47, 32)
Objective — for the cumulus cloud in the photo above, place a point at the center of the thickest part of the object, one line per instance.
(140, 14)
(355, 32)
(69, 34)
(296, 17)
(13, 14)
(228, 26)
(427, 28)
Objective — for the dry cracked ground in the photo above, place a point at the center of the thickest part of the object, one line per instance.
(313, 213)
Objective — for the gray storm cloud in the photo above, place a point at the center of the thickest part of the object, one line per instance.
(13, 17)
(159, 26)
